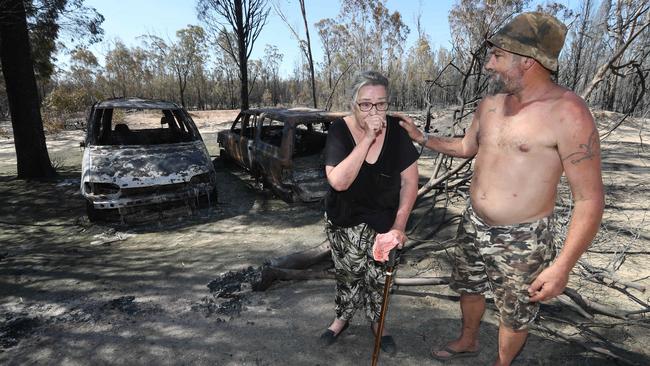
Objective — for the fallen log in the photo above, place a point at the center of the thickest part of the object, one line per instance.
(421, 281)
(304, 259)
(270, 274)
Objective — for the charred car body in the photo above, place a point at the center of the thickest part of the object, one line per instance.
(141, 152)
(283, 148)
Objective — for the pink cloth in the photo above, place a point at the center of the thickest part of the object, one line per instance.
(383, 245)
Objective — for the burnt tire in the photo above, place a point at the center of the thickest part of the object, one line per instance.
(214, 196)
(288, 197)
(260, 181)
(225, 159)
(94, 215)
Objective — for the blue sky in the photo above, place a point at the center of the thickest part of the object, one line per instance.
(127, 20)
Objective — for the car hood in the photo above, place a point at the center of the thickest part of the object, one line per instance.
(134, 166)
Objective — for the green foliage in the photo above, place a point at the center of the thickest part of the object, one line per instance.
(65, 99)
(62, 103)
(48, 19)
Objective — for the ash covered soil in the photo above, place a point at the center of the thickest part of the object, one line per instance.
(178, 289)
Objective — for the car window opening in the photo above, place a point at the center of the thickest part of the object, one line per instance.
(141, 127)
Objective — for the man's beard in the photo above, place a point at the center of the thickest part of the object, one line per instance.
(499, 83)
(496, 84)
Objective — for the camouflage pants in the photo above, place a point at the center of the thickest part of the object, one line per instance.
(359, 278)
(505, 260)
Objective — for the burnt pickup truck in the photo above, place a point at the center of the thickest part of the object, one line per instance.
(283, 148)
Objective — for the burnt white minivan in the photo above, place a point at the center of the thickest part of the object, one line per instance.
(141, 152)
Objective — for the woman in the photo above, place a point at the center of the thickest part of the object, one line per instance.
(372, 171)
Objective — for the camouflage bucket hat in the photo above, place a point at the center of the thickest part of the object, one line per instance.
(536, 35)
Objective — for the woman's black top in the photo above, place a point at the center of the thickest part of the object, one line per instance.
(373, 197)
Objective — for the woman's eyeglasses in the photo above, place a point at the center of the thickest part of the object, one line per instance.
(367, 106)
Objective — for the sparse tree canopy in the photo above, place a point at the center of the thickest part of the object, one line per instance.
(245, 19)
(305, 47)
(368, 35)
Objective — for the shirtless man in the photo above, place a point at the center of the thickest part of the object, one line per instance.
(523, 138)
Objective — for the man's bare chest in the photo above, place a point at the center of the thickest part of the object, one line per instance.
(521, 134)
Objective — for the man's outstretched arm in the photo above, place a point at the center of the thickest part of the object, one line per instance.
(464, 147)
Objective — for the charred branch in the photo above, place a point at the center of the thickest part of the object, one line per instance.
(641, 77)
(598, 345)
(616, 55)
(433, 182)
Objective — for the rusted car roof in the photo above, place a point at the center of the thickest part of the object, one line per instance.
(298, 115)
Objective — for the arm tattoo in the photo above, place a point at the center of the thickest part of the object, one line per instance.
(587, 151)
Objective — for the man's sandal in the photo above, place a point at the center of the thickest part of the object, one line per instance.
(452, 354)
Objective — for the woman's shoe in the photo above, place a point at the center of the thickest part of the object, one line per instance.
(329, 337)
(388, 344)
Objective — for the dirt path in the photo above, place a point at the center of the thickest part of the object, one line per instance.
(75, 293)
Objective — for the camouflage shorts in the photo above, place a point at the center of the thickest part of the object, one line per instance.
(359, 278)
(505, 260)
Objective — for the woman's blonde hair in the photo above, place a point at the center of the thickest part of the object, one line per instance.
(366, 78)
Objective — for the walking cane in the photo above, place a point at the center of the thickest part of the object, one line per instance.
(384, 304)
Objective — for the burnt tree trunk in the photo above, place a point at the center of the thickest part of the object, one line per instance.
(243, 58)
(32, 158)
(310, 58)
(181, 87)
